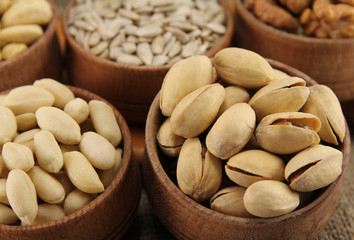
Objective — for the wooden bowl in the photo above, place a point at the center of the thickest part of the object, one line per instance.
(106, 217)
(131, 89)
(187, 219)
(42, 59)
(329, 61)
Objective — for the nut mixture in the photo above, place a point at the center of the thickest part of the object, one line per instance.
(276, 138)
(58, 152)
(314, 18)
(146, 32)
(22, 22)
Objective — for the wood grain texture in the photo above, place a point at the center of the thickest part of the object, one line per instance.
(106, 217)
(131, 89)
(186, 219)
(41, 60)
(328, 61)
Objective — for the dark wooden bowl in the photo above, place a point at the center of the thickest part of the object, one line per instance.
(187, 219)
(329, 61)
(106, 217)
(131, 89)
(42, 59)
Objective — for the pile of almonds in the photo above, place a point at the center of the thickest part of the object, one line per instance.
(58, 152)
(147, 32)
(275, 137)
(22, 24)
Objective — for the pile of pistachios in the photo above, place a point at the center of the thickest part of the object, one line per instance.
(273, 138)
(22, 23)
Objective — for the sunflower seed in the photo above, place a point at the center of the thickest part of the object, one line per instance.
(149, 31)
(157, 45)
(216, 27)
(94, 39)
(118, 40)
(176, 49)
(190, 48)
(144, 53)
(114, 52)
(129, 47)
(129, 14)
(129, 59)
(159, 60)
(99, 48)
(179, 34)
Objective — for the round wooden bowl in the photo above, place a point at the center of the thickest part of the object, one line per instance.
(329, 61)
(42, 59)
(108, 216)
(187, 219)
(131, 89)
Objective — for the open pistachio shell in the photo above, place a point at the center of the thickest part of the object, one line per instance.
(199, 173)
(182, 78)
(288, 132)
(286, 95)
(251, 166)
(169, 142)
(314, 168)
(230, 201)
(279, 75)
(231, 131)
(196, 111)
(323, 103)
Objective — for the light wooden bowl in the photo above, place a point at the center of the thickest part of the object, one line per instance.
(131, 89)
(42, 59)
(329, 61)
(187, 219)
(106, 217)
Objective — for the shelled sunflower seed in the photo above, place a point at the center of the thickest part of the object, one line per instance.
(146, 32)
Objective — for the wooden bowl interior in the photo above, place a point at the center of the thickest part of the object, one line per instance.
(328, 61)
(304, 223)
(131, 89)
(42, 59)
(110, 213)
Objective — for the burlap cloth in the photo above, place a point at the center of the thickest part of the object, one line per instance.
(146, 225)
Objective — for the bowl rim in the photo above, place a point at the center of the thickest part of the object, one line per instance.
(151, 149)
(223, 41)
(122, 173)
(42, 41)
(268, 29)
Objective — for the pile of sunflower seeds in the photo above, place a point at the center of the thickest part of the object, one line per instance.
(146, 32)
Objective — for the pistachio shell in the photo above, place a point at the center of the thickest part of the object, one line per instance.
(279, 75)
(286, 95)
(4, 5)
(169, 143)
(250, 166)
(323, 103)
(288, 132)
(270, 198)
(233, 94)
(230, 201)
(182, 78)
(226, 138)
(314, 168)
(198, 172)
(243, 68)
(197, 110)
(27, 99)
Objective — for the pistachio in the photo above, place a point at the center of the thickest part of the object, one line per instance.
(77, 200)
(105, 122)
(48, 212)
(197, 110)
(7, 215)
(226, 138)
(314, 168)
(62, 94)
(81, 172)
(286, 95)
(230, 201)
(251, 166)
(270, 198)
(47, 150)
(27, 99)
(243, 68)
(22, 196)
(198, 172)
(233, 94)
(48, 188)
(323, 103)
(17, 156)
(8, 126)
(288, 132)
(169, 142)
(4, 5)
(64, 128)
(177, 82)
(97, 150)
